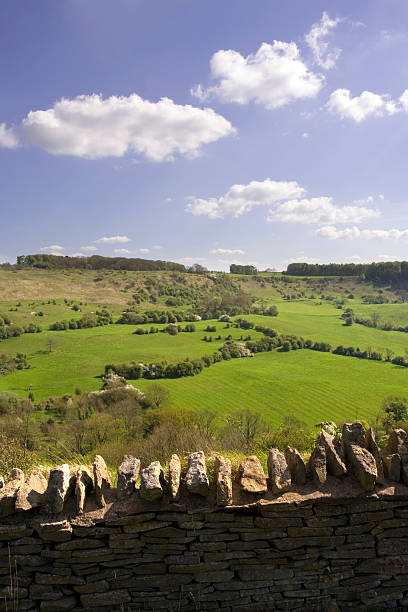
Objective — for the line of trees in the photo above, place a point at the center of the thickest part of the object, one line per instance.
(239, 269)
(97, 319)
(387, 271)
(96, 262)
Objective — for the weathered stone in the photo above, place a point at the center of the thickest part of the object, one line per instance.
(2, 483)
(114, 599)
(60, 531)
(60, 605)
(280, 479)
(371, 446)
(251, 475)
(31, 494)
(102, 480)
(128, 473)
(83, 486)
(392, 466)
(352, 433)
(398, 443)
(151, 487)
(363, 466)
(334, 455)
(317, 464)
(57, 489)
(174, 476)
(16, 474)
(223, 481)
(8, 496)
(196, 477)
(404, 474)
(296, 465)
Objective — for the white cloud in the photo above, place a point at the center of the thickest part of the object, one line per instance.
(143, 250)
(305, 135)
(112, 239)
(78, 255)
(242, 198)
(122, 251)
(319, 211)
(94, 127)
(227, 252)
(8, 139)
(191, 259)
(320, 47)
(359, 108)
(273, 76)
(303, 259)
(88, 248)
(53, 249)
(157, 247)
(354, 232)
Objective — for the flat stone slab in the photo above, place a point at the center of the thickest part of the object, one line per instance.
(31, 494)
(334, 455)
(128, 473)
(317, 464)
(251, 475)
(196, 477)
(102, 480)
(223, 481)
(152, 481)
(174, 476)
(83, 486)
(280, 479)
(57, 489)
(296, 465)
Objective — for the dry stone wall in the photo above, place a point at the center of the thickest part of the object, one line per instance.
(299, 538)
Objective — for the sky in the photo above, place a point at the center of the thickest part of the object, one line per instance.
(214, 132)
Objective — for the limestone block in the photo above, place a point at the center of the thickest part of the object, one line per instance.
(280, 479)
(251, 475)
(223, 481)
(363, 466)
(296, 465)
(334, 455)
(128, 473)
(371, 446)
(392, 466)
(174, 476)
(102, 480)
(31, 494)
(57, 489)
(317, 464)
(151, 487)
(83, 486)
(196, 477)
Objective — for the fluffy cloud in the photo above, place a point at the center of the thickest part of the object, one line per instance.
(94, 127)
(8, 139)
(361, 107)
(227, 252)
(242, 198)
(122, 251)
(320, 47)
(143, 251)
(88, 248)
(112, 239)
(320, 211)
(273, 76)
(354, 232)
(53, 249)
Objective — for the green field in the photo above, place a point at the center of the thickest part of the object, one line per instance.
(314, 386)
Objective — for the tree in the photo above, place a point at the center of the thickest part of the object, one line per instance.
(50, 343)
(158, 395)
(397, 407)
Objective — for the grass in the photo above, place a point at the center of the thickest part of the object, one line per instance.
(312, 386)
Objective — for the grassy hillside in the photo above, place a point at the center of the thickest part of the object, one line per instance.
(314, 386)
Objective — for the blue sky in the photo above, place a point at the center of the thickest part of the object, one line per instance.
(204, 132)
